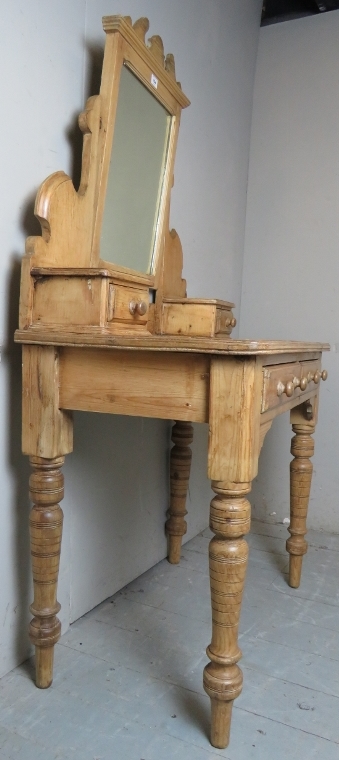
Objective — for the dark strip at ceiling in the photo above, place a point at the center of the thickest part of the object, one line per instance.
(281, 10)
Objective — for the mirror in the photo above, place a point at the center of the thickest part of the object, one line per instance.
(135, 177)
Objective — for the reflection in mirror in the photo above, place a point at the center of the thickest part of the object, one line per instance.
(135, 177)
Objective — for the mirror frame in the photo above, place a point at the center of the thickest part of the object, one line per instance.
(125, 46)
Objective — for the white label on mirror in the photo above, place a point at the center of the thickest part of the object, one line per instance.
(154, 81)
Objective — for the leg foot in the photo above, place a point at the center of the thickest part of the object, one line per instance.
(180, 466)
(295, 567)
(174, 549)
(230, 520)
(46, 488)
(44, 659)
(221, 713)
(302, 448)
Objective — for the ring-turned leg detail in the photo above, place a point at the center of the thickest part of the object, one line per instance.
(46, 490)
(302, 447)
(180, 466)
(230, 517)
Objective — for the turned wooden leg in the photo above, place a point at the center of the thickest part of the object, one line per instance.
(180, 466)
(46, 490)
(302, 448)
(229, 519)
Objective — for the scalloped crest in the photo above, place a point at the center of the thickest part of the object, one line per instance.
(154, 44)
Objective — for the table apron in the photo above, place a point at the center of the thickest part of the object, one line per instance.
(147, 384)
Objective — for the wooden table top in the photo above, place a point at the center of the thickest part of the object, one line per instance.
(101, 338)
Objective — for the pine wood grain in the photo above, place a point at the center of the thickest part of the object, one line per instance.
(196, 317)
(46, 518)
(234, 419)
(301, 468)
(228, 556)
(150, 385)
(175, 343)
(67, 301)
(47, 431)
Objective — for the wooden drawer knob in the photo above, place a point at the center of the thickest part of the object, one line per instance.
(301, 383)
(138, 307)
(289, 388)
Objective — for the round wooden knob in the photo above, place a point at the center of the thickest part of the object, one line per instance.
(289, 390)
(233, 322)
(138, 307)
(324, 374)
(303, 383)
(317, 376)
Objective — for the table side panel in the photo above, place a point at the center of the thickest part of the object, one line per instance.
(147, 384)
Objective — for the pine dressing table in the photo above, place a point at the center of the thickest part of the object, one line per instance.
(105, 326)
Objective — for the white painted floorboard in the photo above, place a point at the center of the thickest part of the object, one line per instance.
(128, 675)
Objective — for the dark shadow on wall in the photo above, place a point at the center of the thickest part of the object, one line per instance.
(95, 61)
(19, 466)
(73, 132)
(18, 463)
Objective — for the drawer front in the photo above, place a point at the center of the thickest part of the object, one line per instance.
(67, 301)
(283, 382)
(225, 321)
(129, 305)
(188, 319)
(196, 319)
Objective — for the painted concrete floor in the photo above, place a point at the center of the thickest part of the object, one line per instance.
(128, 675)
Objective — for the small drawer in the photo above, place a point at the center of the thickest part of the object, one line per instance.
(224, 322)
(60, 300)
(283, 382)
(197, 317)
(128, 305)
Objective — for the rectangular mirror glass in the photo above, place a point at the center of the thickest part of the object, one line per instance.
(136, 177)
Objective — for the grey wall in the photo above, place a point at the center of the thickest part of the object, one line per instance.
(291, 262)
(116, 480)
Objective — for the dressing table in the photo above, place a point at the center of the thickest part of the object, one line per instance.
(106, 326)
